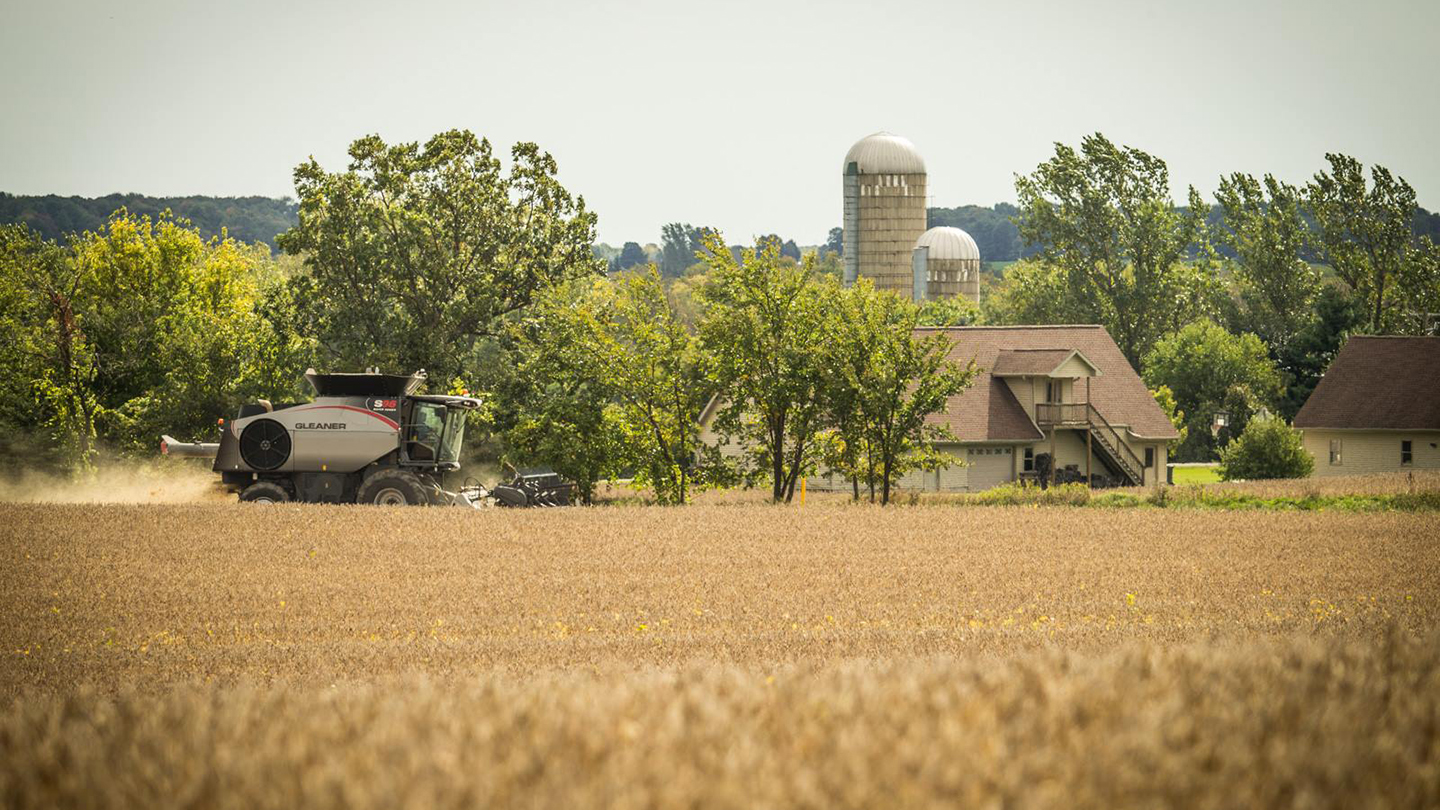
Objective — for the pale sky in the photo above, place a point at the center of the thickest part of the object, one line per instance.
(734, 115)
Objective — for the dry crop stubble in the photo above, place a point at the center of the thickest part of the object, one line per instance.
(726, 655)
(160, 594)
(1297, 722)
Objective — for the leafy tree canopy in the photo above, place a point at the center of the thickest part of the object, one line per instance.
(1267, 448)
(418, 252)
(1103, 216)
(883, 379)
(1211, 371)
(139, 329)
(763, 319)
(1264, 225)
(1365, 231)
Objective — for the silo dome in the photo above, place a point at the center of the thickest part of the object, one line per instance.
(948, 243)
(884, 153)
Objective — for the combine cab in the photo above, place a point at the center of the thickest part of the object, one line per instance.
(366, 438)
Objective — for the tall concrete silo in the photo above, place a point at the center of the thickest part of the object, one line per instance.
(946, 263)
(884, 210)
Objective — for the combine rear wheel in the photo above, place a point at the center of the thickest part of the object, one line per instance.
(392, 488)
(265, 492)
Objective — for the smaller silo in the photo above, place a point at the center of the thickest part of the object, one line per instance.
(946, 263)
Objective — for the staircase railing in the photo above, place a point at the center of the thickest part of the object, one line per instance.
(1115, 446)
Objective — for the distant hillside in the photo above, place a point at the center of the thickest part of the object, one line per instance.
(999, 239)
(259, 219)
(249, 219)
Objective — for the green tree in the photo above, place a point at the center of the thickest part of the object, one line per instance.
(620, 348)
(675, 251)
(1366, 235)
(417, 253)
(631, 255)
(654, 367)
(907, 377)
(45, 354)
(1033, 292)
(214, 342)
(952, 311)
(142, 328)
(763, 322)
(680, 247)
(1267, 448)
(556, 409)
(855, 330)
(1265, 227)
(834, 242)
(178, 329)
(1104, 217)
(1335, 316)
(1210, 372)
(882, 378)
(1165, 398)
(829, 263)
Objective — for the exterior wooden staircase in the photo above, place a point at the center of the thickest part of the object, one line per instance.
(1109, 447)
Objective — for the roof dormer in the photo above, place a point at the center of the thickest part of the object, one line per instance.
(1054, 363)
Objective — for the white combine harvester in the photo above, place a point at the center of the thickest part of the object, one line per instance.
(366, 438)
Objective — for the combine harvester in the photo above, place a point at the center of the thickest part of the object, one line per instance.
(366, 438)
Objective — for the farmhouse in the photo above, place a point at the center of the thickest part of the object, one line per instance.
(1377, 409)
(1060, 391)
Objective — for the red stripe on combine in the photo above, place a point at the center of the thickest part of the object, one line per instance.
(387, 420)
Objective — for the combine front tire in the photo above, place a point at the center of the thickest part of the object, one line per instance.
(265, 492)
(392, 488)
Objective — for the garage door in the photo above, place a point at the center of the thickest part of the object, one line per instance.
(989, 466)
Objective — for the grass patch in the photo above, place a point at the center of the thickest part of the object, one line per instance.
(1017, 495)
(1192, 496)
(1207, 474)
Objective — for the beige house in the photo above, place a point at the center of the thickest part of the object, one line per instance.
(1066, 391)
(1377, 409)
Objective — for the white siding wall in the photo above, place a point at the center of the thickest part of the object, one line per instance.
(1073, 368)
(1371, 451)
(987, 466)
(991, 465)
(1024, 390)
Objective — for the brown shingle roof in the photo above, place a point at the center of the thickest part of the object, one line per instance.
(1378, 383)
(988, 411)
(1010, 362)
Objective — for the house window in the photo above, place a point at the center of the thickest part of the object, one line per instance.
(1335, 452)
(1407, 457)
(1052, 390)
(1029, 459)
(1149, 457)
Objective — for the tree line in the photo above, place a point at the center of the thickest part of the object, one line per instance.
(246, 219)
(433, 256)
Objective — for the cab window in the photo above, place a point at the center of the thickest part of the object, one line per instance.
(424, 431)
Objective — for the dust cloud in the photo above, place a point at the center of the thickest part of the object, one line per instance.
(167, 481)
